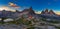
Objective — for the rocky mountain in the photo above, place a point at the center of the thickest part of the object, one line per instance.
(29, 12)
(17, 14)
(46, 11)
(49, 14)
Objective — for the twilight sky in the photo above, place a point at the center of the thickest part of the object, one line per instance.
(37, 5)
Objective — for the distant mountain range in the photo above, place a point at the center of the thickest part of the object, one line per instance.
(29, 12)
(49, 14)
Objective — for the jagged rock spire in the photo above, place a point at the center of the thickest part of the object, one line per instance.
(51, 12)
(46, 11)
(30, 8)
(42, 12)
(30, 11)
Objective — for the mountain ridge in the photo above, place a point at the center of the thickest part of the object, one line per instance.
(30, 12)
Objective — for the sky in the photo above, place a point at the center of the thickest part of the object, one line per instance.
(37, 5)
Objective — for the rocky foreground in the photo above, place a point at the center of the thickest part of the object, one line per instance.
(11, 26)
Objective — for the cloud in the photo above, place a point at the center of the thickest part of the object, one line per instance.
(13, 5)
(6, 8)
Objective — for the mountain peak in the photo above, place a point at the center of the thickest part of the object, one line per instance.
(31, 11)
(42, 12)
(51, 12)
(46, 11)
(30, 8)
